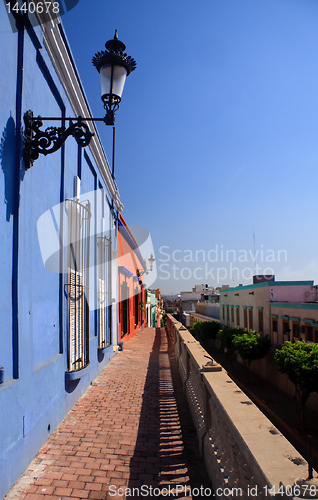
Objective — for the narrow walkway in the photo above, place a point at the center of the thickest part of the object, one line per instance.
(131, 428)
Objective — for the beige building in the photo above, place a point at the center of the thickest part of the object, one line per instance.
(284, 310)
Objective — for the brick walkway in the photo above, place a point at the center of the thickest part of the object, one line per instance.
(131, 428)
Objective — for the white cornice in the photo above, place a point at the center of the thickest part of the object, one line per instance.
(63, 65)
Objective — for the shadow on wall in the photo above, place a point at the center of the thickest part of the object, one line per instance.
(7, 157)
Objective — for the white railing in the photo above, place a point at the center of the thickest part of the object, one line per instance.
(245, 455)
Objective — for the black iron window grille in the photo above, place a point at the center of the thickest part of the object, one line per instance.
(77, 288)
(104, 291)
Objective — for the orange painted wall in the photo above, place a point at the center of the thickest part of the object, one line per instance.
(128, 284)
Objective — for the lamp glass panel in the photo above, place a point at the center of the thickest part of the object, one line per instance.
(119, 78)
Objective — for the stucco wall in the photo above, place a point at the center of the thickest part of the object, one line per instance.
(211, 310)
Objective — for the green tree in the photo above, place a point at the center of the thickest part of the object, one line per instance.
(163, 318)
(205, 329)
(250, 346)
(226, 336)
(299, 361)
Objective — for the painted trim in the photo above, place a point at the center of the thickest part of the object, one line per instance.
(91, 167)
(249, 307)
(123, 270)
(58, 98)
(295, 319)
(77, 374)
(15, 225)
(260, 308)
(294, 305)
(312, 322)
(287, 318)
(106, 348)
(232, 306)
(269, 284)
(275, 316)
(237, 307)
(79, 162)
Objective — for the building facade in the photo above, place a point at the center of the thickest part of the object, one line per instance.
(284, 310)
(204, 312)
(151, 309)
(131, 290)
(201, 293)
(59, 222)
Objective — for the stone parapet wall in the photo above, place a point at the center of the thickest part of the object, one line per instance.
(244, 453)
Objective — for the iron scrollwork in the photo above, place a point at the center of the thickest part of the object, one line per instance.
(50, 140)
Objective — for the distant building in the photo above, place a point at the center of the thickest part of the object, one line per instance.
(199, 293)
(205, 311)
(170, 302)
(284, 310)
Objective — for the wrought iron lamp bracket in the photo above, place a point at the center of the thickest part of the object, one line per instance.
(50, 140)
(141, 272)
(107, 239)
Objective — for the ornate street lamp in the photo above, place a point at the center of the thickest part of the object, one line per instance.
(151, 261)
(114, 66)
(141, 272)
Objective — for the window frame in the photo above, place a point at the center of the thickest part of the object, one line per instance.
(78, 255)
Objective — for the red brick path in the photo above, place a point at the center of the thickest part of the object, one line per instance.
(131, 428)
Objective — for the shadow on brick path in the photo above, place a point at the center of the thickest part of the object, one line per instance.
(166, 438)
(131, 428)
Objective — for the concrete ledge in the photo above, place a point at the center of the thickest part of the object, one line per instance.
(241, 447)
(75, 375)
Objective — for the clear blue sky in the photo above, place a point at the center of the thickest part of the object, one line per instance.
(217, 131)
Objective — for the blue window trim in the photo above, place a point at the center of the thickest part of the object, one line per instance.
(77, 374)
(311, 322)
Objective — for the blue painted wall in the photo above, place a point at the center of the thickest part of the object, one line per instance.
(34, 397)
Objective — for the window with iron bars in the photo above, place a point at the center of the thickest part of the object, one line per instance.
(104, 292)
(78, 218)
